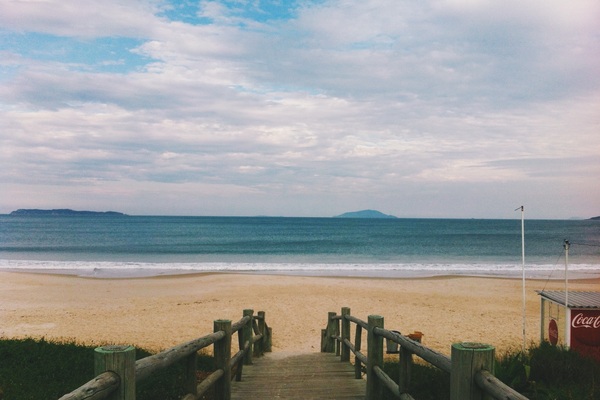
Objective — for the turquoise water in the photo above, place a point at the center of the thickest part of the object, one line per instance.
(142, 245)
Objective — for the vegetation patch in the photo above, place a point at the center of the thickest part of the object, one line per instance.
(39, 369)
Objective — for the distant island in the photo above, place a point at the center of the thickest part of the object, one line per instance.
(596, 218)
(65, 212)
(365, 214)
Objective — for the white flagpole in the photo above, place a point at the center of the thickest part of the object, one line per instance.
(567, 319)
(523, 267)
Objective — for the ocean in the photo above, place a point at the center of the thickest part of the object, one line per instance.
(136, 246)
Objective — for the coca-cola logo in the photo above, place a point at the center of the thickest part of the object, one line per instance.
(585, 321)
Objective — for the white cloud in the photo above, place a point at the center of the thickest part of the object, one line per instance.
(80, 18)
(358, 99)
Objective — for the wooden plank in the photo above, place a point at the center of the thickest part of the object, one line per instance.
(304, 376)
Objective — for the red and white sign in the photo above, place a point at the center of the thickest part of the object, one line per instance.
(585, 332)
(553, 332)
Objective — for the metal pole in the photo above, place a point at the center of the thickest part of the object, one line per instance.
(567, 319)
(523, 269)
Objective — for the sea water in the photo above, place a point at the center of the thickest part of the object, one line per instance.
(131, 246)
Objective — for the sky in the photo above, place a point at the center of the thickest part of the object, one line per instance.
(431, 109)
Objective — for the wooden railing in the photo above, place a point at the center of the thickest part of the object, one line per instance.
(117, 371)
(471, 366)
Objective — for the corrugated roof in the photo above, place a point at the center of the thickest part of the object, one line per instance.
(576, 299)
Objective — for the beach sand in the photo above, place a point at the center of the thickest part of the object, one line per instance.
(160, 312)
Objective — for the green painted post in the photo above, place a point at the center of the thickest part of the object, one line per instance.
(222, 356)
(374, 358)
(120, 360)
(345, 334)
(468, 359)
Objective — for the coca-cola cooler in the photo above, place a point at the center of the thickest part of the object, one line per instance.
(576, 325)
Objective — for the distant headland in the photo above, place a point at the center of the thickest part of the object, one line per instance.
(62, 212)
(365, 214)
(596, 218)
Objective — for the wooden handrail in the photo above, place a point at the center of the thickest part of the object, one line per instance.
(149, 365)
(495, 387)
(106, 383)
(431, 356)
(98, 388)
(486, 382)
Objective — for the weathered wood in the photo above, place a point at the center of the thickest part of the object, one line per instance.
(149, 365)
(436, 359)
(98, 388)
(330, 334)
(247, 335)
(338, 339)
(345, 334)
(496, 388)
(467, 360)
(386, 381)
(106, 383)
(190, 381)
(120, 360)
(405, 369)
(222, 355)
(262, 330)
(374, 357)
(304, 376)
(236, 326)
(269, 341)
(357, 344)
(358, 321)
(204, 386)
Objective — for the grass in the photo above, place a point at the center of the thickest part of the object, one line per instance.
(39, 369)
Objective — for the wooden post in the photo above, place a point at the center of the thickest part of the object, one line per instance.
(262, 331)
(374, 358)
(404, 370)
(247, 336)
(240, 365)
(222, 356)
(338, 346)
(120, 360)
(467, 359)
(329, 340)
(190, 382)
(357, 345)
(345, 334)
(269, 342)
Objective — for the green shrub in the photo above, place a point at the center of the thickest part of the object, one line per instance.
(38, 369)
(426, 382)
(544, 373)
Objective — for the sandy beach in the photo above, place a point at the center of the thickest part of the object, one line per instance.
(160, 312)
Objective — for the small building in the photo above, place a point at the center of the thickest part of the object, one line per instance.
(576, 324)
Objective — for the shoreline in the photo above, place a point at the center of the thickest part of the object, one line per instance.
(162, 311)
(139, 273)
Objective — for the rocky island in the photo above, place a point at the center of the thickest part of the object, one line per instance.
(365, 214)
(62, 212)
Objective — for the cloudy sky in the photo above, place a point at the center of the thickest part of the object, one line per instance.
(434, 108)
